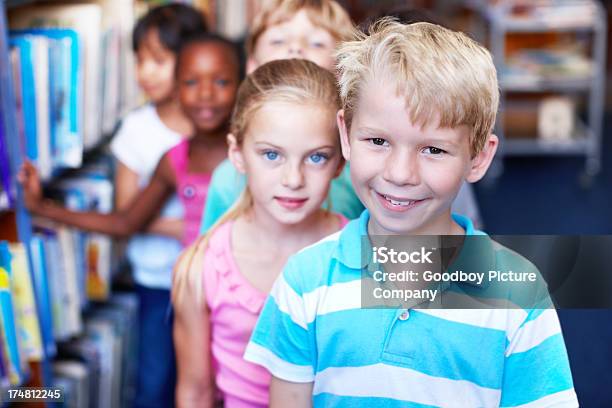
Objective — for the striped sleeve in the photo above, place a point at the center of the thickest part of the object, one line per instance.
(536, 366)
(280, 341)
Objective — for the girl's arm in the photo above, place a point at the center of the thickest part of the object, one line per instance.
(120, 223)
(126, 191)
(195, 379)
(289, 394)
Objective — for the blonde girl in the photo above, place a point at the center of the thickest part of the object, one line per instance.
(284, 139)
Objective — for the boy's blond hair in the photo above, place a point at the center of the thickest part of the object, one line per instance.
(447, 78)
(326, 14)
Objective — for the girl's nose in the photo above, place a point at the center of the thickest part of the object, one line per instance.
(205, 90)
(293, 177)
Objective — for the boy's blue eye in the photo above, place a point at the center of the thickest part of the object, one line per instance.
(190, 82)
(378, 141)
(434, 150)
(222, 82)
(318, 158)
(271, 155)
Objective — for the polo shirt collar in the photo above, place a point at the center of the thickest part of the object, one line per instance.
(348, 251)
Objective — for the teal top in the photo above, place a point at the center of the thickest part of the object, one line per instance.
(227, 184)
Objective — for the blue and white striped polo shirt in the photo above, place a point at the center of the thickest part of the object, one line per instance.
(312, 329)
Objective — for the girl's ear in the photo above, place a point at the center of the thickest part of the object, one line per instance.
(480, 164)
(234, 153)
(344, 137)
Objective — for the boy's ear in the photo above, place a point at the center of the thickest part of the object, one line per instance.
(480, 164)
(251, 65)
(344, 137)
(234, 153)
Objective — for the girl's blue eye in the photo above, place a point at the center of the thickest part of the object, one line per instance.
(271, 155)
(317, 158)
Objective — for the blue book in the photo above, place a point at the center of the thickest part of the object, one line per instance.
(7, 318)
(6, 192)
(64, 94)
(4, 373)
(41, 289)
(28, 93)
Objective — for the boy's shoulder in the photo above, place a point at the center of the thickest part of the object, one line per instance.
(509, 275)
(507, 258)
(324, 262)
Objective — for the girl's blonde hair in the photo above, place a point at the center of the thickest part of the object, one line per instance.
(292, 81)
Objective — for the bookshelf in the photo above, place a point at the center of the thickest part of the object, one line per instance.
(96, 121)
(117, 94)
(532, 50)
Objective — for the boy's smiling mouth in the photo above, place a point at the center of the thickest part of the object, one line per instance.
(397, 204)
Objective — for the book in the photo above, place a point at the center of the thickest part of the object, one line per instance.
(25, 305)
(101, 333)
(40, 58)
(7, 320)
(15, 60)
(71, 302)
(6, 186)
(56, 279)
(97, 194)
(85, 19)
(127, 304)
(57, 73)
(77, 373)
(25, 95)
(43, 295)
(86, 351)
(5, 379)
(121, 89)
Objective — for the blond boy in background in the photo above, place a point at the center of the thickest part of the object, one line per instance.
(283, 29)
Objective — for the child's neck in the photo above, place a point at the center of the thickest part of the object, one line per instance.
(171, 114)
(442, 225)
(210, 138)
(263, 228)
(206, 151)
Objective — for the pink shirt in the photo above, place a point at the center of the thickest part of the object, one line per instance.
(192, 189)
(234, 306)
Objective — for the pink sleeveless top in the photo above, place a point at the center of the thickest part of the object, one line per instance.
(192, 189)
(234, 306)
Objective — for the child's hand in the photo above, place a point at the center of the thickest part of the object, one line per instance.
(32, 189)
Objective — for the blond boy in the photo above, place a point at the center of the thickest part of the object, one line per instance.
(419, 104)
(307, 29)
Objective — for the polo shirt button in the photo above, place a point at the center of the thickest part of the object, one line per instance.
(405, 315)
